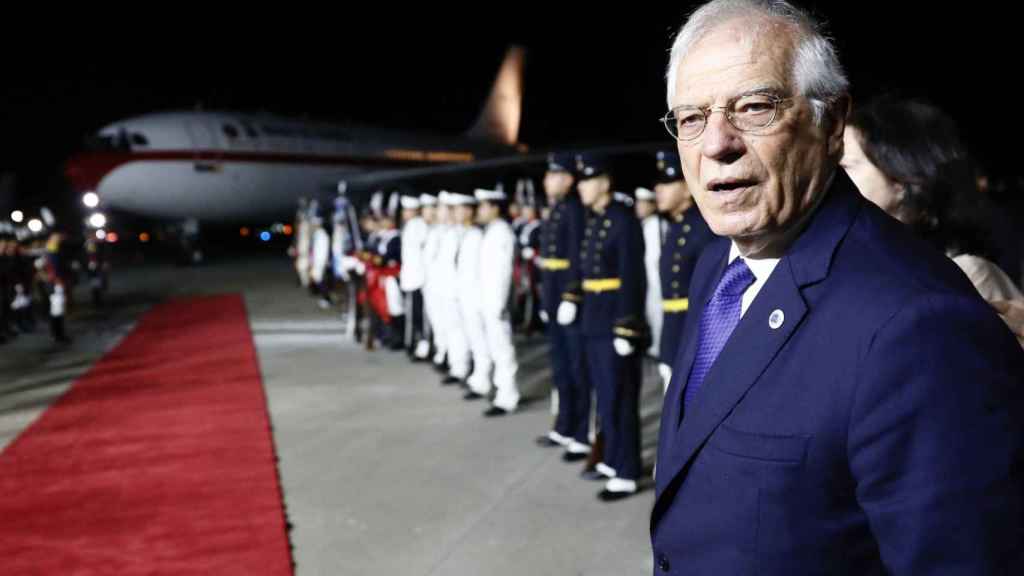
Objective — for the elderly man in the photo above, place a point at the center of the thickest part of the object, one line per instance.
(843, 401)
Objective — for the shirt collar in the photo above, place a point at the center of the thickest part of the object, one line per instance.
(761, 268)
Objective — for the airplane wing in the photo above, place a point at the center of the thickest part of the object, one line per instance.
(438, 175)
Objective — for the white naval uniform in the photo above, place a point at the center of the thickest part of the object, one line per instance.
(497, 254)
(432, 299)
(652, 256)
(450, 313)
(321, 254)
(302, 243)
(470, 297)
(414, 238)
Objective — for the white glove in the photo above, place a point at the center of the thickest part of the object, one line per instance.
(57, 302)
(353, 263)
(528, 253)
(566, 312)
(623, 347)
(666, 373)
(544, 316)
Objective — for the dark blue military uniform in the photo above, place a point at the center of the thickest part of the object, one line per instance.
(685, 239)
(560, 237)
(613, 283)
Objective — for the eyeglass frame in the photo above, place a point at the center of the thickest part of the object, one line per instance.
(707, 111)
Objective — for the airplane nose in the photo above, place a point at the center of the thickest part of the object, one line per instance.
(86, 171)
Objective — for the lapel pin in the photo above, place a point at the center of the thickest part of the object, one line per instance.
(776, 319)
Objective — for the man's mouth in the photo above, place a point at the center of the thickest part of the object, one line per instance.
(730, 185)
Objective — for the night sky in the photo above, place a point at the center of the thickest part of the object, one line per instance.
(594, 75)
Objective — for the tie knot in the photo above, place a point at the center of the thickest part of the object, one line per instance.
(736, 279)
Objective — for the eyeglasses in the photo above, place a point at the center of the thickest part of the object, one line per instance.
(746, 113)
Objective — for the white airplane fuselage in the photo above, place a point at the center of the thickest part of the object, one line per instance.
(223, 166)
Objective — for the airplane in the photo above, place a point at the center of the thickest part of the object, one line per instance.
(226, 166)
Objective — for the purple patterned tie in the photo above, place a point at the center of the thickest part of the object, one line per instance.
(720, 318)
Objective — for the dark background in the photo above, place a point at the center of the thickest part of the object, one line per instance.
(594, 74)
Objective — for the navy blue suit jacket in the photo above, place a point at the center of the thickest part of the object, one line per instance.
(877, 430)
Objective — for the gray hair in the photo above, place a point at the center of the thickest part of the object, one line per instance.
(817, 73)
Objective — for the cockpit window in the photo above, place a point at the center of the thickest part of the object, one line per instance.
(139, 139)
(250, 131)
(230, 131)
(107, 143)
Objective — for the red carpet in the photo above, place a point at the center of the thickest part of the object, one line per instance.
(158, 461)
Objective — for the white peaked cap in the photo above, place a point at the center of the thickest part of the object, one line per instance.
(644, 194)
(485, 195)
(458, 199)
(410, 202)
(428, 200)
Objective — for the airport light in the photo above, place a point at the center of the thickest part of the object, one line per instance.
(265, 236)
(90, 199)
(144, 237)
(244, 232)
(112, 237)
(97, 220)
(17, 216)
(101, 235)
(35, 225)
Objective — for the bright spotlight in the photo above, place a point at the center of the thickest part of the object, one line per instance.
(35, 225)
(265, 236)
(97, 220)
(90, 199)
(17, 216)
(101, 235)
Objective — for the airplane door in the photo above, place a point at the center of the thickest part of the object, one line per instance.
(205, 146)
(201, 135)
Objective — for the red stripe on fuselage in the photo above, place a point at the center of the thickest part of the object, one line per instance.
(85, 171)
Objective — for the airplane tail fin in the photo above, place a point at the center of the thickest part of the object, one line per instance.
(500, 117)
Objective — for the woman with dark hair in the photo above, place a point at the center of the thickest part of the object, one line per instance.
(906, 157)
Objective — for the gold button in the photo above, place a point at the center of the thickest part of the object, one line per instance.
(587, 232)
(583, 254)
(677, 256)
(597, 270)
(682, 241)
(603, 234)
(607, 223)
(675, 284)
(686, 228)
(675, 268)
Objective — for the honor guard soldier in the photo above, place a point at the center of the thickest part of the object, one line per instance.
(345, 243)
(686, 234)
(413, 275)
(650, 222)
(431, 243)
(558, 262)
(320, 255)
(497, 254)
(528, 243)
(460, 209)
(303, 239)
(611, 320)
(388, 263)
(468, 292)
(435, 212)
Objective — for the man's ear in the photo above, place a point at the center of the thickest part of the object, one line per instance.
(835, 124)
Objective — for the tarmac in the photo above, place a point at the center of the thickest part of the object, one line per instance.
(383, 469)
